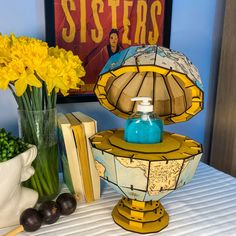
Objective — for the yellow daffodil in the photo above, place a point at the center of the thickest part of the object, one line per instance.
(28, 64)
(26, 78)
(6, 76)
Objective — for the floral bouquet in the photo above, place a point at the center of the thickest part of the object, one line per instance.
(35, 74)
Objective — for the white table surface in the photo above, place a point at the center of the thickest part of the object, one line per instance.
(204, 207)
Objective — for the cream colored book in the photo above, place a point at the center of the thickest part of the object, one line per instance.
(90, 128)
(80, 139)
(71, 159)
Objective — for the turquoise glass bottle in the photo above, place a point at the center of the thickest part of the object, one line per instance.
(144, 126)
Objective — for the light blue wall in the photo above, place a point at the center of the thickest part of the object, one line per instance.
(24, 17)
(196, 31)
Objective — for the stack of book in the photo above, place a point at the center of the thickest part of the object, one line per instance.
(78, 163)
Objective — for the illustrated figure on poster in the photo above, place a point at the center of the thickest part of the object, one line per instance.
(114, 46)
(96, 60)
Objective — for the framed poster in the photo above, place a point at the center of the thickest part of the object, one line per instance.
(97, 29)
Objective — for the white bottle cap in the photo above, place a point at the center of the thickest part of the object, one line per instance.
(145, 105)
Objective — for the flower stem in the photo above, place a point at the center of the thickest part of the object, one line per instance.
(38, 127)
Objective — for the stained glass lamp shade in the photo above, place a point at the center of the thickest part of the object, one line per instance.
(144, 173)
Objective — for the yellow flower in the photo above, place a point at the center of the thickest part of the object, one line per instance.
(5, 57)
(50, 72)
(30, 62)
(31, 51)
(6, 76)
(64, 74)
(26, 78)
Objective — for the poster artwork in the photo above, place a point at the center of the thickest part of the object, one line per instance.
(97, 29)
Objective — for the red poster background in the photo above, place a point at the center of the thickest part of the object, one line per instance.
(73, 30)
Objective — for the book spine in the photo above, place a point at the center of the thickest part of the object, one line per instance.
(83, 156)
(73, 166)
(90, 129)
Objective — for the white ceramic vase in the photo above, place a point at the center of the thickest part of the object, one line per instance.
(14, 198)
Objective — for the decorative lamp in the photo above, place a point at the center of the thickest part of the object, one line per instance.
(144, 173)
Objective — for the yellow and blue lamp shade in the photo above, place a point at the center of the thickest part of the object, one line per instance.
(167, 76)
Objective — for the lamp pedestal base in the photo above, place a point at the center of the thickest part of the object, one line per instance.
(140, 217)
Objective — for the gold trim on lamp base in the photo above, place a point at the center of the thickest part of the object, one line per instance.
(140, 217)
